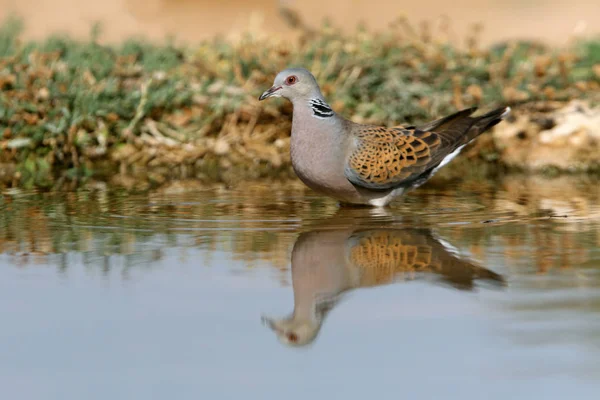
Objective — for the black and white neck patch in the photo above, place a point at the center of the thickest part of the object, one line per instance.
(320, 108)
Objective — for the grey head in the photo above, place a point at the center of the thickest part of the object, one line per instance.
(293, 331)
(300, 87)
(302, 328)
(294, 84)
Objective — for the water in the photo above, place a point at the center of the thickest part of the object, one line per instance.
(462, 290)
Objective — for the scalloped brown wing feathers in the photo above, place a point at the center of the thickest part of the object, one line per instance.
(384, 157)
(384, 255)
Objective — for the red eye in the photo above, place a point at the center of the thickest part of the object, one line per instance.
(290, 80)
(292, 337)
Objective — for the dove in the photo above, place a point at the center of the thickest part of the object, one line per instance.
(329, 262)
(360, 164)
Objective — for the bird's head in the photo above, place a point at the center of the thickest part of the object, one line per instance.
(293, 332)
(294, 84)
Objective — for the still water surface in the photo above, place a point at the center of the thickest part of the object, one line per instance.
(488, 290)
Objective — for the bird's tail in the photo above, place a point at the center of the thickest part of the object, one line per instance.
(460, 128)
(486, 121)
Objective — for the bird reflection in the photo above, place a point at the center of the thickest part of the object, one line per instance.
(327, 263)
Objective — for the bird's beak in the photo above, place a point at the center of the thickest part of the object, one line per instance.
(269, 322)
(270, 92)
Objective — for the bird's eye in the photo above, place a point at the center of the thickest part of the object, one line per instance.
(290, 80)
(292, 337)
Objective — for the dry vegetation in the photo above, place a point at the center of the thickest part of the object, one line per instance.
(70, 109)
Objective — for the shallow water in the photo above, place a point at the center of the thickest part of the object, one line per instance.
(460, 290)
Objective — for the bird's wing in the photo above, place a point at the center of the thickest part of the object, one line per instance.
(384, 255)
(384, 158)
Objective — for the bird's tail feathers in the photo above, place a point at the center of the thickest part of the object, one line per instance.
(486, 121)
(460, 128)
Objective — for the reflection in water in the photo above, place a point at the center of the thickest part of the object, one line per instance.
(191, 270)
(328, 263)
(111, 228)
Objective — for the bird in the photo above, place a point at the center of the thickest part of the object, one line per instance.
(368, 165)
(329, 262)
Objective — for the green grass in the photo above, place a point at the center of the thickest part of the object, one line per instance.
(66, 105)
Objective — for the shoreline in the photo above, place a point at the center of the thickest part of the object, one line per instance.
(69, 108)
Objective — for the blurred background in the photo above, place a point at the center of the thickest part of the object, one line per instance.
(551, 20)
(90, 85)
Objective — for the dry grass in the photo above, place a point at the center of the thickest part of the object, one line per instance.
(71, 108)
